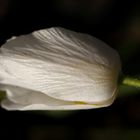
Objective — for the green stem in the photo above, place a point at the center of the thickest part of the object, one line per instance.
(130, 81)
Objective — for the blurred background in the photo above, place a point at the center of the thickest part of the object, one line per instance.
(116, 22)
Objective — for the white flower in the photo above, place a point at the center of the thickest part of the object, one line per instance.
(58, 69)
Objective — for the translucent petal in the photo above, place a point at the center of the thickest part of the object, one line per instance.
(61, 64)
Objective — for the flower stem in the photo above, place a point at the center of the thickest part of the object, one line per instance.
(130, 81)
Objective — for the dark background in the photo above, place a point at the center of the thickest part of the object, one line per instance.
(116, 22)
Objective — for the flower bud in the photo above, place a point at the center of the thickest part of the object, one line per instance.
(58, 69)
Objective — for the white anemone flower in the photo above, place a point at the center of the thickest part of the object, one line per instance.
(58, 69)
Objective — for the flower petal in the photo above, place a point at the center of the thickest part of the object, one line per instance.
(23, 99)
(62, 64)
